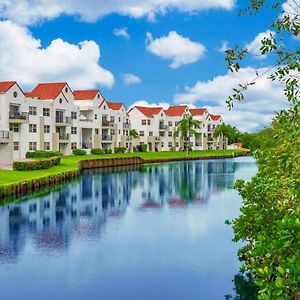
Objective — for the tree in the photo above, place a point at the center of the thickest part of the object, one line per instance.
(269, 224)
(228, 131)
(187, 127)
(133, 133)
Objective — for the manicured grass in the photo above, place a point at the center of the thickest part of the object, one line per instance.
(69, 163)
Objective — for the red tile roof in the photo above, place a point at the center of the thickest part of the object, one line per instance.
(85, 94)
(114, 105)
(197, 111)
(45, 91)
(149, 112)
(6, 85)
(215, 117)
(176, 111)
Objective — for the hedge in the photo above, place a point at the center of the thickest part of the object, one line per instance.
(42, 153)
(120, 149)
(97, 151)
(36, 164)
(79, 152)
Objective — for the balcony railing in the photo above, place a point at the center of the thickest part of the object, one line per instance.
(87, 145)
(107, 137)
(106, 123)
(17, 115)
(64, 136)
(126, 125)
(128, 138)
(86, 120)
(64, 120)
(198, 144)
(163, 127)
(4, 135)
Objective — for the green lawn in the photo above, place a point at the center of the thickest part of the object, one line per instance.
(69, 163)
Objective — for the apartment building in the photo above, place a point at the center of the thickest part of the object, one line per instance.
(53, 117)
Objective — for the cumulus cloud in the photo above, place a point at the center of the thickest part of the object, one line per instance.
(254, 46)
(174, 47)
(23, 59)
(131, 79)
(32, 11)
(262, 99)
(164, 105)
(122, 32)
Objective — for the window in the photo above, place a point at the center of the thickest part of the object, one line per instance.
(16, 146)
(14, 127)
(46, 146)
(177, 144)
(112, 132)
(144, 122)
(150, 133)
(96, 131)
(119, 131)
(112, 119)
(142, 133)
(162, 134)
(170, 123)
(46, 128)
(176, 123)
(32, 128)
(170, 144)
(73, 130)
(46, 112)
(60, 100)
(96, 117)
(98, 96)
(170, 133)
(104, 107)
(32, 146)
(73, 115)
(73, 146)
(15, 94)
(32, 110)
(66, 89)
(203, 125)
(119, 119)
(149, 122)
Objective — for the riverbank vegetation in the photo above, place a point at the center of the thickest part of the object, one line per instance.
(70, 163)
(270, 216)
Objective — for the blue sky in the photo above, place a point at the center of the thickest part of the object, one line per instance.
(187, 36)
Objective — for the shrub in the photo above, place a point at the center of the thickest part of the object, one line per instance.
(79, 152)
(108, 151)
(97, 151)
(36, 164)
(42, 153)
(144, 148)
(120, 149)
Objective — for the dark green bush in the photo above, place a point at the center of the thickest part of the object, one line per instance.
(108, 151)
(36, 164)
(120, 149)
(42, 153)
(79, 152)
(140, 148)
(97, 151)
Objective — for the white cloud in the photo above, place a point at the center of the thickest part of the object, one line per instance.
(164, 105)
(256, 111)
(131, 79)
(23, 59)
(122, 32)
(174, 47)
(254, 46)
(33, 11)
(224, 46)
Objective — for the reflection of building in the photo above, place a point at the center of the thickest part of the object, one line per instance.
(82, 207)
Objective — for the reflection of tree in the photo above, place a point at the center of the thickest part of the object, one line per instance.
(244, 287)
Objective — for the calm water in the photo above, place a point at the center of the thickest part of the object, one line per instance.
(151, 233)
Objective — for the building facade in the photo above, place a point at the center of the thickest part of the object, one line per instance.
(53, 117)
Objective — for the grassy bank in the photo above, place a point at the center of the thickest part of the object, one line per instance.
(70, 163)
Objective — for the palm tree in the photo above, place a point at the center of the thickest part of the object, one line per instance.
(134, 134)
(229, 132)
(187, 127)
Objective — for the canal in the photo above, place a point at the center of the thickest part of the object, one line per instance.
(151, 232)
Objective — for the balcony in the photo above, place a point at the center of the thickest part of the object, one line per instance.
(163, 127)
(198, 144)
(126, 125)
(107, 138)
(106, 123)
(18, 117)
(63, 121)
(87, 145)
(63, 137)
(4, 137)
(86, 120)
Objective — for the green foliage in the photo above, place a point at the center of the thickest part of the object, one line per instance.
(229, 131)
(187, 127)
(133, 133)
(79, 152)
(108, 151)
(97, 151)
(120, 149)
(36, 164)
(140, 148)
(42, 153)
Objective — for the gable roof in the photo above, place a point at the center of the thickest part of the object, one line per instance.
(198, 111)
(6, 85)
(215, 117)
(149, 112)
(46, 91)
(114, 105)
(85, 94)
(176, 111)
